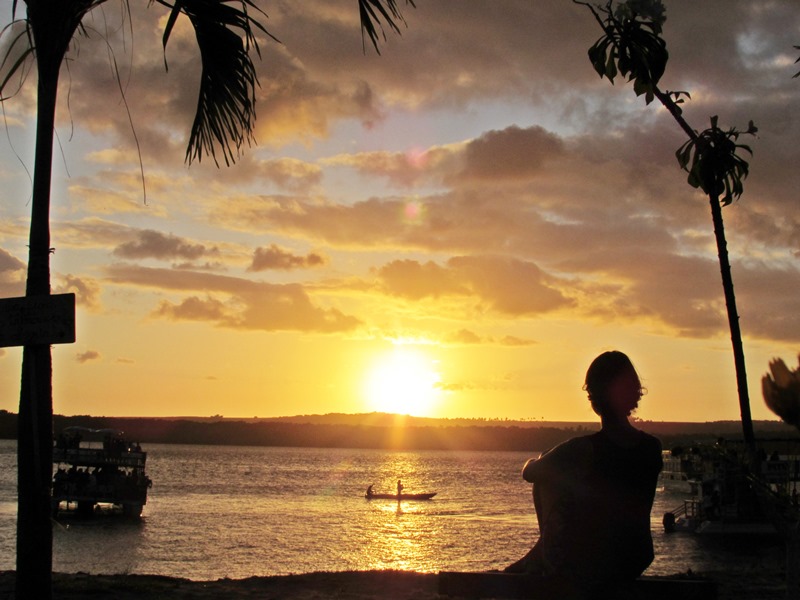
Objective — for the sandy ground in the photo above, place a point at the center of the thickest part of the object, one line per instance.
(362, 585)
(391, 585)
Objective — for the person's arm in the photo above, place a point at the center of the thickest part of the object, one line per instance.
(572, 454)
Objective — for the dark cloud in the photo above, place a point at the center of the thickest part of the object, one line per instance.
(88, 356)
(194, 309)
(277, 258)
(87, 291)
(510, 153)
(153, 244)
(250, 305)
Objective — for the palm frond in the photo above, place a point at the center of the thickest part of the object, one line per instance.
(226, 34)
(14, 63)
(373, 12)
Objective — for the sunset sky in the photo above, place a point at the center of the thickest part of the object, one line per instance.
(452, 228)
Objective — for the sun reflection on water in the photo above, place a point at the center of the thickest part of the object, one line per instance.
(401, 535)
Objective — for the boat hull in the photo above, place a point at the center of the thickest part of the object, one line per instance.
(400, 497)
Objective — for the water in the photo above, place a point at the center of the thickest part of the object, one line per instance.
(237, 512)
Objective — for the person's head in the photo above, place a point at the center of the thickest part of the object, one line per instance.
(612, 384)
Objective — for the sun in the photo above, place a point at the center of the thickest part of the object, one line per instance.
(403, 381)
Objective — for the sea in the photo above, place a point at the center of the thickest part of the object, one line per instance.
(235, 512)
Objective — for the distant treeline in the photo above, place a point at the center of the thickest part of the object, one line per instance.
(340, 434)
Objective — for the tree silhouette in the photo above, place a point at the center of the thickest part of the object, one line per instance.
(632, 47)
(226, 33)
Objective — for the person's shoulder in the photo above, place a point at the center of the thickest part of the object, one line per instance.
(575, 450)
(575, 444)
(651, 447)
(568, 452)
(650, 440)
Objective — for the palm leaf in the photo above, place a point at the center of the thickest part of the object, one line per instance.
(225, 114)
(372, 12)
(22, 43)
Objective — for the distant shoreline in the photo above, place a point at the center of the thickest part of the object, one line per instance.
(387, 432)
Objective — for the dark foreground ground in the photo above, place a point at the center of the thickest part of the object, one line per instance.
(760, 584)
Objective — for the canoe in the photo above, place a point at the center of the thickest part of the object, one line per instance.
(400, 497)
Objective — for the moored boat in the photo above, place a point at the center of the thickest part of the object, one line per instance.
(98, 469)
(735, 492)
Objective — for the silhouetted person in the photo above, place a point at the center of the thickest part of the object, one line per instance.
(399, 488)
(369, 491)
(593, 494)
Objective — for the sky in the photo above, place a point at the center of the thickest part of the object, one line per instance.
(453, 228)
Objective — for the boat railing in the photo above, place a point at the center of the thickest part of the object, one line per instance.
(782, 508)
(93, 456)
(689, 508)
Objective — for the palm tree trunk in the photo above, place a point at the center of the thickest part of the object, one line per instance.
(733, 321)
(35, 434)
(727, 284)
(53, 23)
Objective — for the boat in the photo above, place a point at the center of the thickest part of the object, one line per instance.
(400, 497)
(98, 471)
(681, 469)
(732, 493)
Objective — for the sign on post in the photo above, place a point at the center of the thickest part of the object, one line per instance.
(34, 320)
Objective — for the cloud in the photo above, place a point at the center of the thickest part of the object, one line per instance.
(275, 257)
(570, 200)
(88, 356)
(105, 201)
(510, 153)
(290, 174)
(414, 280)
(87, 291)
(410, 168)
(510, 286)
(194, 309)
(12, 275)
(153, 244)
(9, 263)
(505, 285)
(249, 305)
(468, 338)
(464, 336)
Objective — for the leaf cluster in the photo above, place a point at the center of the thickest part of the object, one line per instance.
(226, 32)
(631, 47)
(712, 162)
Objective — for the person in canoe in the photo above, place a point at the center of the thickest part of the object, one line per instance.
(369, 491)
(399, 488)
(593, 494)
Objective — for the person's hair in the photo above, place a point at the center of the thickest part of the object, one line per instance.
(604, 370)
